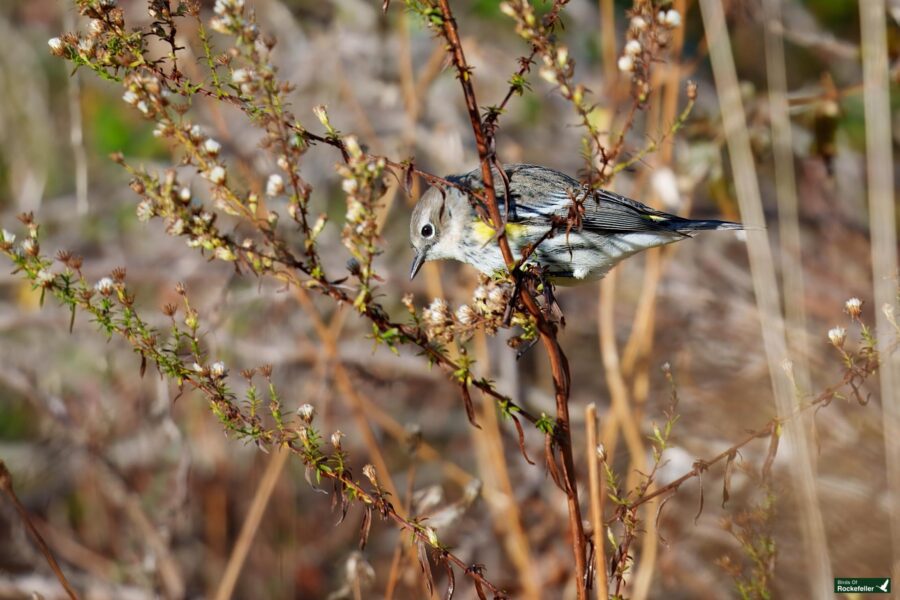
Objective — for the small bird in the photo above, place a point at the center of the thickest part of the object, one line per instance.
(580, 234)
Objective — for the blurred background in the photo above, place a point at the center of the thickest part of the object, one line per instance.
(141, 495)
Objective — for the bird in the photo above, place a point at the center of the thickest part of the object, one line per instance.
(580, 233)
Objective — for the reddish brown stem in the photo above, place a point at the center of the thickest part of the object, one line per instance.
(558, 363)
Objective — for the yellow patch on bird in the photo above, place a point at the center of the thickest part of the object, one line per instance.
(484, 233)
(656, 218)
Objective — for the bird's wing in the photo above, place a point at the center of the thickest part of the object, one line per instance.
(538, 195)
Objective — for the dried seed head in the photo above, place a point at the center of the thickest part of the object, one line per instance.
(57, 46)
(626, 64)
(853, 306)
(369, 472)
(105, 286)
(44, 278)
(217, 370)
(633, 48)
(274, 185)
(431, 534)
(31, 247)
(672, 18)
(212, 147)
(7, 239)
(217, 175)
(307, 413)
(837, 336)
(336, 439)
(466, 315)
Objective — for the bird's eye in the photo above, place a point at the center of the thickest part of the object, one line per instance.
(427, 230)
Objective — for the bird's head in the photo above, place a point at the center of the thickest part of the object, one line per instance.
(435, 228)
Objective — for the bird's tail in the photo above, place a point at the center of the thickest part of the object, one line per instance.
(686, 225)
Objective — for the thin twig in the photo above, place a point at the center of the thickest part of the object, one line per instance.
(6, 486)
(596, 487)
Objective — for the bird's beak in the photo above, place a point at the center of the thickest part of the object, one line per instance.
(417, 263)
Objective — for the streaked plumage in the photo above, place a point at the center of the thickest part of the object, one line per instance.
(445, 225)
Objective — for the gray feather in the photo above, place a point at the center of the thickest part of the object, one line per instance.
(536, 193)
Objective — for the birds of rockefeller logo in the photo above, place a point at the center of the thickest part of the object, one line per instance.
(862, 585)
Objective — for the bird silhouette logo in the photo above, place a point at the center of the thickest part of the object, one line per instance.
(884, 586)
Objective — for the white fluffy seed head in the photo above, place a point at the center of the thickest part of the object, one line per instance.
(837, 336)
(626, 64)
(853, 306)
(274, 185)
(217, 175)
(633, 48)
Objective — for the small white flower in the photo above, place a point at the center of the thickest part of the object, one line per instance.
(307, 412)
(217, 174)
(241, 76)
(219, 24)
(283, 163)
(349, 186)
(853, 306)
(626, 64)
(633, 48)
(336, 438)
(97, 26)
(86, 45)
(196, 132)
(197, 367)
(223, 253)
(105, 286)
(352, 146)
(144, 211)
(548, 74)
(143, 107)
(130, 97)
(438, 306)
(355, 211)
(185, 194)
(431, 534)
(497, 296)
(837, 336)
(507, 9)
(274, 185)
(177, 228)
(672, 18)
(29, 246)
(212, 147)
(638, 23)
(57, 46)
(321, 112)
(7, 237)
(465, 315)
(217, 370)
(45, 277)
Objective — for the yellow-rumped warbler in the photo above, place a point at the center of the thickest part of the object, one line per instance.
(573, 243)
